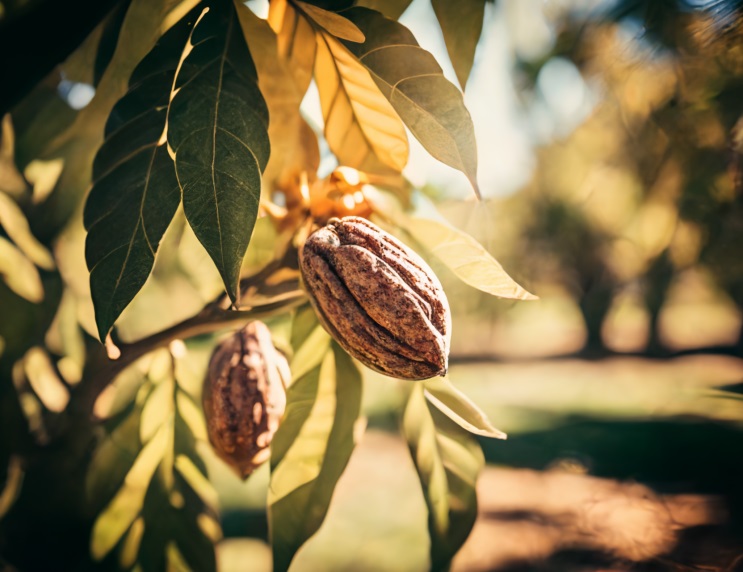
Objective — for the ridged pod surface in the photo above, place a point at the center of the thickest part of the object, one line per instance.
(244, 397)
(379, 300)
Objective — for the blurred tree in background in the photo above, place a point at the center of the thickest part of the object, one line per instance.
(623, 213)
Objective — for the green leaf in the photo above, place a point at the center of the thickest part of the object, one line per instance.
(334, 23)
(461, 24)
(135, 191)
(218, 128)
(311, 450)
(361, 126)
(448, 460)
(412, 80)
(464, 256)
(392, 9)
(459, 408)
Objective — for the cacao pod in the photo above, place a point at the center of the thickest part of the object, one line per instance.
(244, 397)
(379, 300)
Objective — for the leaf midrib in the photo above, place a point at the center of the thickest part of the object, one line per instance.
(395, 89)
(214, 138)
(130, 245)
(367, 138)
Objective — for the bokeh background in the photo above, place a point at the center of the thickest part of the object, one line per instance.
(610, 137)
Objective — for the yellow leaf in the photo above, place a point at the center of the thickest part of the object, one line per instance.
(464, 256)
(130, 548)
(459, 408)
(65, 338)
(176, 561)
(361, 127)
(44, 380)
(16, 227)
(192, 415)
(336, 24)
(302, 462)
(310, 353)
(284, 66)
(156, 410)
(209, 527)
(295, 42)
(11, 181)
(43, 175)
(196, 480)
(124, 508)
(19, 273)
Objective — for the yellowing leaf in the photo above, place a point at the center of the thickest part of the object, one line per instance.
(16, 227)
(361, 127)
(459, 408)
(11, 181)
(175, 559)
(161, 481)
(19, 273)
(464, 256)
(65, 338)
(336, 24)
(209, 527)
(12, 486)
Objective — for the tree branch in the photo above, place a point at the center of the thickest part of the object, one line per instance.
(275, 288)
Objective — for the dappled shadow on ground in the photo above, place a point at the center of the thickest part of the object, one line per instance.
(661, 495)
(674, 455)
(553, 520)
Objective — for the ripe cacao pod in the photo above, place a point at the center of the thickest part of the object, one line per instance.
(244, 397)
(379, 300)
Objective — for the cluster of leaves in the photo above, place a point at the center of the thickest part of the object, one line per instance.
(200, 102)
(158, 506)
(196, 97)
(318, 433)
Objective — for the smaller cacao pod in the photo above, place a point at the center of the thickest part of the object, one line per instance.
(244, 397)
(379, 300)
